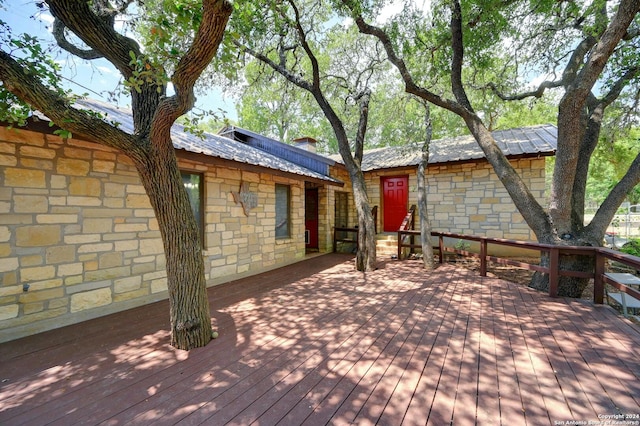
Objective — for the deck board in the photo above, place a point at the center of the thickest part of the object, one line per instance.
(319, 343)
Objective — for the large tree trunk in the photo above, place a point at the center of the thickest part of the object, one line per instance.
(423, 212)
(567, 286)
(366, 254)
(425, 225)
(188, 302)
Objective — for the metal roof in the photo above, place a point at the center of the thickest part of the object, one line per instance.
(302, 157)
(525, 141)
(209, 144)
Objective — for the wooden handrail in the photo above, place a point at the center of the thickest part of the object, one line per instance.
(336, 240)
(408, 223)
(600, 255)
(409, 219)
(348, 230)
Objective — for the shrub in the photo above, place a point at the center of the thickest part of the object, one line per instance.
(632, 247)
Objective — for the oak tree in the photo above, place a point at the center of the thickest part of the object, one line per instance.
(587, 52)
(182, 39)
(293, 38)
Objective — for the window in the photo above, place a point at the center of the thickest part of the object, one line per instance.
(193, 183)
(342, 213)
(342, 209)
(283, 211)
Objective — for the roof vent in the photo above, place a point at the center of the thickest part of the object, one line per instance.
(307, 143)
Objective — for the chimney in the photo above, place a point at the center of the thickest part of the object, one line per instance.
(307, 143)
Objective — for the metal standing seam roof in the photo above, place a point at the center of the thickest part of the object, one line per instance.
(210, 144)
(525, 141)
(300, 156)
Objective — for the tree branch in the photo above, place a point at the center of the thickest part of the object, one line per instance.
(58, 109)
(215, 15)
(608, 208)
(97, 32)
(577, 59)
(458, 57)
(620, 84)
(61, 39)
(363, 98)
(293, 78)
(537, 93)
(599, 56)
(410, 86)
(302, 36)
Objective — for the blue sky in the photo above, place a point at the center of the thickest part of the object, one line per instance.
(94, 77)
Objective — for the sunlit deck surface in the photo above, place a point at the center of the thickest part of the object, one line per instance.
(318, 343)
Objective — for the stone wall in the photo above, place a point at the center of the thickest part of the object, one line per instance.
(468, 198)
(78, 238)
(238, 245)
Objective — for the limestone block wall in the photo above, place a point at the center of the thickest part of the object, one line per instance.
(468, 198)
(78, 238)
(239, 245)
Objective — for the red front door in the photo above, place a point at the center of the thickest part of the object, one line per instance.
(395, 192)
(311, 218)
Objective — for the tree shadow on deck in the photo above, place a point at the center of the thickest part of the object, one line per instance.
(320, 342)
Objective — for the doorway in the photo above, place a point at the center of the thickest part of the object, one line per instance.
(395, 196)
(311, 218)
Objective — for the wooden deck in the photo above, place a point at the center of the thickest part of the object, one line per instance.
(318, 343)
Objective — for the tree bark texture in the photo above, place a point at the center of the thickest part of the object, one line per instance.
(425, 224)
(423, 205)
(366, 254)
(188, 302)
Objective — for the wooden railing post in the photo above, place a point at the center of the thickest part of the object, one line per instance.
(483, 257)
(335, 236)
(412, 242)
(550, 264)
(598, 283)
(554, 271)
(407, 223)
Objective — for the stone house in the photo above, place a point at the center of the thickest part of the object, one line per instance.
(78, 237)
(464, 194)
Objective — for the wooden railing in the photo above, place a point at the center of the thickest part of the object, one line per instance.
(347, 238)
(600, 255)
(346, 231)
(408, 224)
(600, 278)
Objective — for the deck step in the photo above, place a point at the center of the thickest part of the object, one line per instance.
(387, 244)
(624, 278)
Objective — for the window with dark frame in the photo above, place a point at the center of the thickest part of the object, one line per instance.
(193, 183)
(283, 211)
(342, 212)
